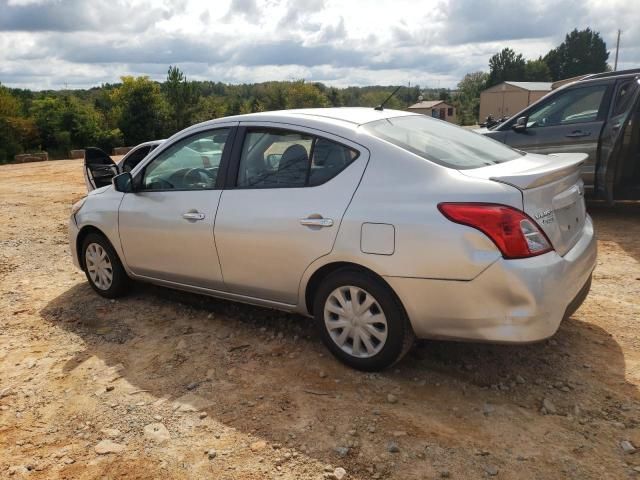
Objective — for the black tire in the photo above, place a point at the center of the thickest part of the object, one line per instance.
(400, 336)
(120, 280)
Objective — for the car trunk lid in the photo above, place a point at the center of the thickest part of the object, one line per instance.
(552, 192)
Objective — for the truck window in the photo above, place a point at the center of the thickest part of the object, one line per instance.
(577, 105)
(623, 96)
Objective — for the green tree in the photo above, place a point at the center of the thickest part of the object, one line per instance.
(209, 108)
(373, 98)
(537, 71)
(305, 95)
(582, 52)
(252, 105)
(65, 123)
(444, 95)
(182, 97)
(274, 95)
(335, 97)
(467, 100)
(16, 131)
(141, 110)
(506, 65)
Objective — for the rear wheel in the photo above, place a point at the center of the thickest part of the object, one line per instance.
(361, 321)
(102, 267)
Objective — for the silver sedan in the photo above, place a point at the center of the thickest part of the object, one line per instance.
(381, 225)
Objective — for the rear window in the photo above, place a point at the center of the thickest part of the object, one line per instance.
(442, 142)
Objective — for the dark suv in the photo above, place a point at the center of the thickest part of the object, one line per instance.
(598, 115)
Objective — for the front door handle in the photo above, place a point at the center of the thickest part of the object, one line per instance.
(193, 216)
(578, 133)
(316, 222)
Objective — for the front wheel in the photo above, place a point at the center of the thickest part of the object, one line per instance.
(361, 321)
(103, 268)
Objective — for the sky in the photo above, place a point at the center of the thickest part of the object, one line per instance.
(56, 44)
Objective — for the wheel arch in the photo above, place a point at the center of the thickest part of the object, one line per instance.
(82, 234)
(315, 280)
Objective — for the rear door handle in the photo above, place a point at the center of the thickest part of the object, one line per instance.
(193, 216)
(316, 222)
(578, 133)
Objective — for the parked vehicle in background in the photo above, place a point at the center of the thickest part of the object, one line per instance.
(381, 224)
(100, 168)
(598, 115)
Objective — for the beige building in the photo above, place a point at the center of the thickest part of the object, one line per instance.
(508, 98)
(436, 109)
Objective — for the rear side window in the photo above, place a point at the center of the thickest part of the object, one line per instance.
(287, 159)
(441, 142)
(328, 159)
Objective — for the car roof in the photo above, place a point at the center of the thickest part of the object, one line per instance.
(355, 115)
(342, 116)
(601, 78)
(150, 142)
(619, 73)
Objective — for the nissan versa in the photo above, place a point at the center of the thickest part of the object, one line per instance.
(381, 224)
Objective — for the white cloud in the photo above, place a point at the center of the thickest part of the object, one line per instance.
(431, 43)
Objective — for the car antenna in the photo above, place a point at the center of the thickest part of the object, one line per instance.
(381, 106)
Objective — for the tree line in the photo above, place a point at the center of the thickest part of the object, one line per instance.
(139, 109)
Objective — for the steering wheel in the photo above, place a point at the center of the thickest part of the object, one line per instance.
(198, 175)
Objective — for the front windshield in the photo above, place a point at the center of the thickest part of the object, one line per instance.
(442, 142)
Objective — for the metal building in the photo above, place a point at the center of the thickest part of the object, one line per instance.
(508, 98)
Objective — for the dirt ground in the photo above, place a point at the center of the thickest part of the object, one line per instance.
(163, 384)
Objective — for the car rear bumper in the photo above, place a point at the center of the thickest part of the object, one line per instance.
(512, 301)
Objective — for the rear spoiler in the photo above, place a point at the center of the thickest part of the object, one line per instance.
(541, 173)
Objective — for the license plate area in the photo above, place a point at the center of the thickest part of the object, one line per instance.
(569, 212)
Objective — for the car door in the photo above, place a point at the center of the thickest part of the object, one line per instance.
(288, 190)
(99, 168)
(166, 224)
(626, 102)
(568, 122)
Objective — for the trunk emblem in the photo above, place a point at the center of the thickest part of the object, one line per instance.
(545, 217)
(544, 213)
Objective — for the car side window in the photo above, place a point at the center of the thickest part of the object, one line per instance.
(624, 95)
(286, 159)
(329, 159)
(577, 105)
(189, 164)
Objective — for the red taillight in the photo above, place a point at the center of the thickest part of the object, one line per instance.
(513, 231)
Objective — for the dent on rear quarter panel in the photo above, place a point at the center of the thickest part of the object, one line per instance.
(403, 190)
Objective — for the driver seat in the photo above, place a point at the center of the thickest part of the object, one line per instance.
(293, 167)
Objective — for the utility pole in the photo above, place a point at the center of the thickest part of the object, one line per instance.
(615, 63)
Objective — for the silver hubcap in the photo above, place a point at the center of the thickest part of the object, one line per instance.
(98, 266)
(355, 321)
